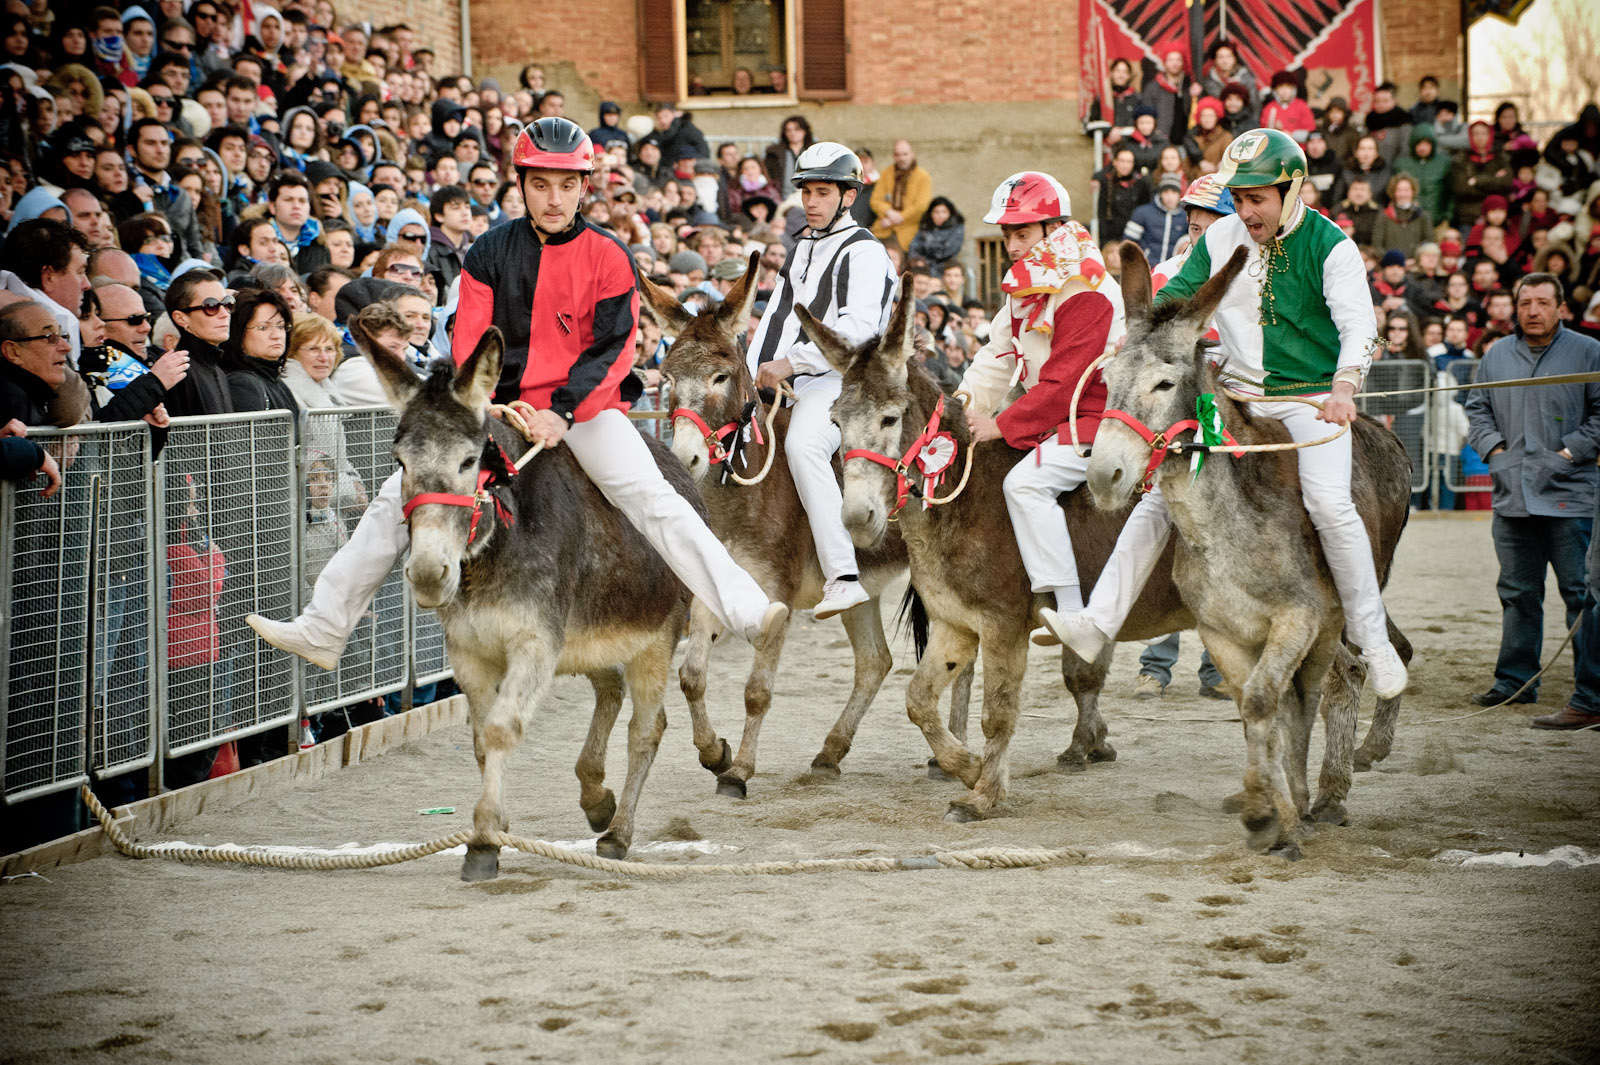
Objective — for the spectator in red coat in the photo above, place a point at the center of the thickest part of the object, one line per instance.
(1286, 111)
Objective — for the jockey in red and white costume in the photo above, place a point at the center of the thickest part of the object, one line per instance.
(1062, 311)
(563, 293)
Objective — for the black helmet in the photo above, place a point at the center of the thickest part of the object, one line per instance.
(828, 161)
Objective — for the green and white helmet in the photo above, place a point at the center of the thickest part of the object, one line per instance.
(1264, 157)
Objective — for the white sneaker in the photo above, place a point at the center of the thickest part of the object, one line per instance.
(1148, 687)
(772, 623)
(1385, 670)
(1077, 632)
(291, 636)
(837, 597)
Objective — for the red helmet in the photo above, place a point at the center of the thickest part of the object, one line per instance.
(1029, 196)
(554, 144)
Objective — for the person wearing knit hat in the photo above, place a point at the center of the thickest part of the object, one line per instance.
(1286, 111)
(1208, 139)
(1238, 115)
(691, 264)
(1480, 172)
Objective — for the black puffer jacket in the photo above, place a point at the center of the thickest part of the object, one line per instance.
(205, 390)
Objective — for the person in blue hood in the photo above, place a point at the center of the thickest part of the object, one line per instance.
(410, 229)
(39, 203)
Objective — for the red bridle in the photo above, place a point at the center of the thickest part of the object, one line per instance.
(1160, 443)
(903, 488)
(487, 478)
(716, 451)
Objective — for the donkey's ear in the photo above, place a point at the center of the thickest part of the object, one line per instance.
(399, 380)
(900, 339)
(735, 309)
(1135, 281)
(831, 344)
(665, 306)
(479, 376)
(1203, 304)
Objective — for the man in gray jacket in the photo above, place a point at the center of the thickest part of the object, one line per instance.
(1541, 443)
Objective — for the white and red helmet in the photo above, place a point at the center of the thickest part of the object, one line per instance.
(554, 144)
(1029, 196)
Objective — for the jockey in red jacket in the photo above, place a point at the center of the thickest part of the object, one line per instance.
(1062, 311)
(562, 292)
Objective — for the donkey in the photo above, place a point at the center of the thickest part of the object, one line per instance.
(560, 583)
(765, 528)
(1249, 563)
(964, 562)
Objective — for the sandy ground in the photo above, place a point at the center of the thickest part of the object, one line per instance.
(1169, 940)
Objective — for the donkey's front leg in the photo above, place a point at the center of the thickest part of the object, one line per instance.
(757, 701)
(715, 754)
(1005, 660)
(598, 803)
(529, 669)
(647, 680)
(864, 625)
(950, 650)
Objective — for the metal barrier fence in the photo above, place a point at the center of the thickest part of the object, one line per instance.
(126, 592)
(1459, 476)
(1407, 416)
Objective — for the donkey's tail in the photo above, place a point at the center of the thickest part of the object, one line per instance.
(914, 613)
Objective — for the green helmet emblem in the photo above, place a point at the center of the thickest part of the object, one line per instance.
(1263, 158)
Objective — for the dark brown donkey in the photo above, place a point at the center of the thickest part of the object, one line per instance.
(539, 576)
(765, 529)
(964, 562)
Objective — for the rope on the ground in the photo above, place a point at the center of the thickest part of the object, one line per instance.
(1525, 684)
(233, 854)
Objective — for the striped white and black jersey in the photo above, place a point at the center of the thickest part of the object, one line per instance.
(845, 278)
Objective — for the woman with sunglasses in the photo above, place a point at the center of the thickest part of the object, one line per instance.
(255, 351)
(202, 310)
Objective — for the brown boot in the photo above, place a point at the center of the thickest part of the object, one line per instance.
(1566, 719)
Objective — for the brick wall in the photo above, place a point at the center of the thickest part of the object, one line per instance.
(437, 23)
(595, 41)
(921, 51)
(1422, 37)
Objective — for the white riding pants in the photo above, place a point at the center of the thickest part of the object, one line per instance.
(810, 446)
(1325, 490)
(1031, 489)
(616, 458)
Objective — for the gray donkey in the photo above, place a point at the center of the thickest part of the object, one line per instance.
(1249, 563)
(533, 574)
(964, 562)
(765, 528)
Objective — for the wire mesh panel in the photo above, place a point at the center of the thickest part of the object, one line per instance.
(122, 702)
(1464, 470)
(45, 573)
(229, 517)
(429, 660)
(346, 457)
(1408, 416)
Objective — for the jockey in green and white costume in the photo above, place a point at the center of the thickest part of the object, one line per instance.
(1297, 321)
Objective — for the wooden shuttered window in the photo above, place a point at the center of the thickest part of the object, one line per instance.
(822, 51)
(658, 50)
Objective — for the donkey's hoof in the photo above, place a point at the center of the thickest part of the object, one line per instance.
(961, 813)
(730, 786)
(602, 812)
(824, 770)
(1289, 851)
(1332, 814)
(1072, 760)
(1103, 753)
(1261, 833)
(722, 762)
(609, 846)
(935, 772)
(481, 863)
(1233, 803)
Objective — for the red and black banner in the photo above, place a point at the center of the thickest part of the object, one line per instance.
(1335, 41)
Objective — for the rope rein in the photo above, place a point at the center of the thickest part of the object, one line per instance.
(233, 854)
